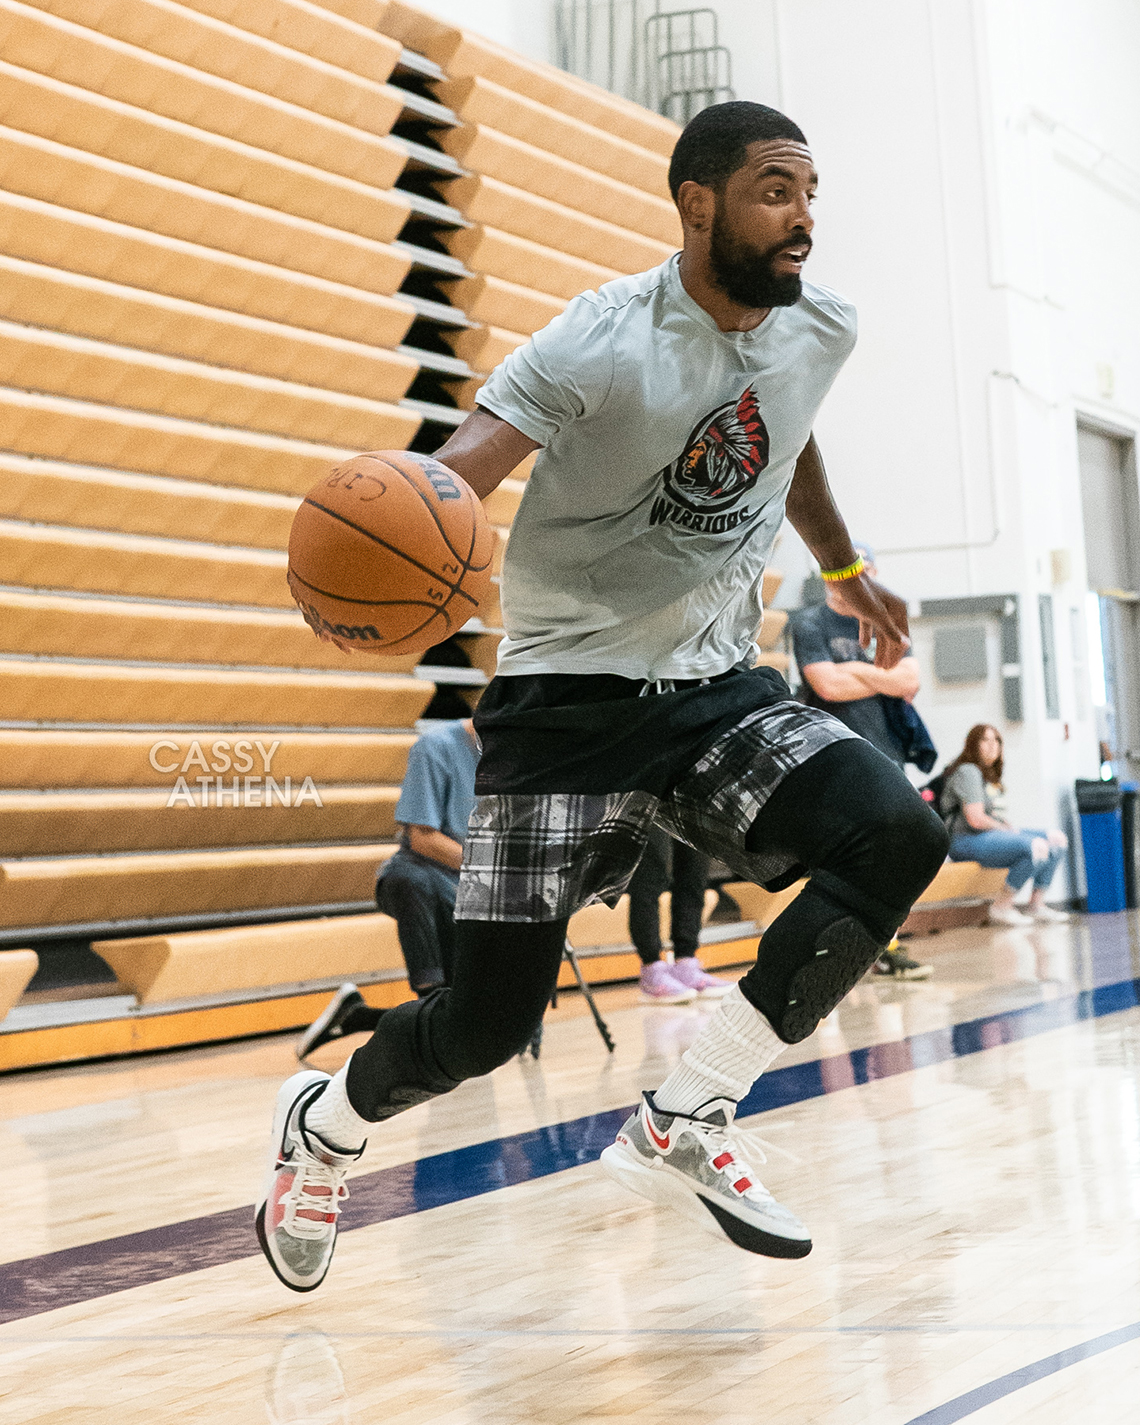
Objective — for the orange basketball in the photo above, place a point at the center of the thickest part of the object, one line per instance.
(390, 552)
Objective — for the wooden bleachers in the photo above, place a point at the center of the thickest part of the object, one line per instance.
(16, 970)
(172, 967)
(68, 823)
(346, 40)
(86, 370)
(77, 54)
(87, 890)
(494, 301)
(509, 210)
(96, 561)
(88, 307)
(66, 626)
(462, 53)
(43, 690)
(285, 71)
(481, 101)
(45, 757)
(518, 259)
(54, 173)
(95, 497)
(38, 104)
(523, 165)
(88, 432)
(79, 242)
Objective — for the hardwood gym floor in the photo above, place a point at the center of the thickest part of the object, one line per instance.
(966, 1152)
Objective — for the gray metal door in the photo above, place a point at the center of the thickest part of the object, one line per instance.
(1111, 505)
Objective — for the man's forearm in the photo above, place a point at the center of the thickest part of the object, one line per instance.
(814, 514)
(436, 846)
(484, 451)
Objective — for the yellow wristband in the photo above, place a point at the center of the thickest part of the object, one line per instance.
(834, 576)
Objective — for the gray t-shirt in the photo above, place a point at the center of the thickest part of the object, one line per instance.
(668, 448)
(965, 786)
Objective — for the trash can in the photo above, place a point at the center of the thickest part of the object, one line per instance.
(1102, 836)
(1129, 794)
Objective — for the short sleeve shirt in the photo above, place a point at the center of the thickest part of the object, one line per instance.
(668, 448)
(439, 785)
(965, 786)
(820, 635)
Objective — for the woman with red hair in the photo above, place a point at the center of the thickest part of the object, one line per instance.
(973, 803)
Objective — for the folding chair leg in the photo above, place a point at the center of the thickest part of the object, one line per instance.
(568, 953)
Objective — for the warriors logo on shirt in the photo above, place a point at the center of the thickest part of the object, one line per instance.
(722, 459)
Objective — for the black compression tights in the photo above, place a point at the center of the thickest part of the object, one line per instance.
(872, 846)
(848, 814)
(503, 979)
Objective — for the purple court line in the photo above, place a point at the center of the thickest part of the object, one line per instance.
(975, 1400)
(76, 1274)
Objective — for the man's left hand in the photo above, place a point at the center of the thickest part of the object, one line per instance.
(882, 616)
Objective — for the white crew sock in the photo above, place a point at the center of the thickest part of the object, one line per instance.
(724, 1060)
(334, 1119)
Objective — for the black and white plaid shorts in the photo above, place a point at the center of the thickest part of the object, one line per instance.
(543, 856)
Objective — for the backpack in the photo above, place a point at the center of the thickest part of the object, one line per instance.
(932, 793)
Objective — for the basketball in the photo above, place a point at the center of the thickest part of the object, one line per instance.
(390, 552)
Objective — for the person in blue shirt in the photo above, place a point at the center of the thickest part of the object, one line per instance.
(418, 885)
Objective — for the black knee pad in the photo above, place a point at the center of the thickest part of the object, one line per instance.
(843, 955)
(810, 957)
(397, 1068)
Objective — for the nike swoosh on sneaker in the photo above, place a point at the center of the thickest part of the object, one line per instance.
(662, 1143)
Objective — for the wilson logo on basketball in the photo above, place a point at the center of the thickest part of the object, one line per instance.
(722, 460)
(363, 632)
(442, 481)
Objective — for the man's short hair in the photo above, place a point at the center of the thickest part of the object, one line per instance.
(714, 144)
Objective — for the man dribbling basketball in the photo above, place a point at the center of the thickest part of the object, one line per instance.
(674, 411)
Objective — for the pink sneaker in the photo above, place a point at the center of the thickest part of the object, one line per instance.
(689, 972)
(659, 987)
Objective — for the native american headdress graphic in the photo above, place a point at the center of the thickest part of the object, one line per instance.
(722, 459)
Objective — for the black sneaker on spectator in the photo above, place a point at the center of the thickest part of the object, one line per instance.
(329, 1024)
(895, 964)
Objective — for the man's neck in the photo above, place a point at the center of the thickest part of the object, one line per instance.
(730, 316)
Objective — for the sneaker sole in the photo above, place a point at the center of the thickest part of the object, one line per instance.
(305, 1079)
(665, 1190)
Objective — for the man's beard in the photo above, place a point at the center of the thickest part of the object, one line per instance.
(745, 274)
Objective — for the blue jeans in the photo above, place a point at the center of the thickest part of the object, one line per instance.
(420, 895)
(1008, 848)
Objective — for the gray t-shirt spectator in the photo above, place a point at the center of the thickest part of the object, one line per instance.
(820, 635)
(965, 786)
(439, 785)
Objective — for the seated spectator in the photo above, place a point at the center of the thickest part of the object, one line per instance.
(668, 865)
(839, 675)
(973, 805)
(418, 886)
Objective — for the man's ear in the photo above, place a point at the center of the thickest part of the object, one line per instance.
(696, 205)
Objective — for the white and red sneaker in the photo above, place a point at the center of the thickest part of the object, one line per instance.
(689, 970)
(698, 1164)
(304, 1189)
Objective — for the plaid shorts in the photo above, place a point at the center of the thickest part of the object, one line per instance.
(543, 857)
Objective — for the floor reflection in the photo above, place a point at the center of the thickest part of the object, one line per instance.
(306, 1385)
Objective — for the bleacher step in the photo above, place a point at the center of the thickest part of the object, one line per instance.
(79, 890)
(47, 691)
(201, 809)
